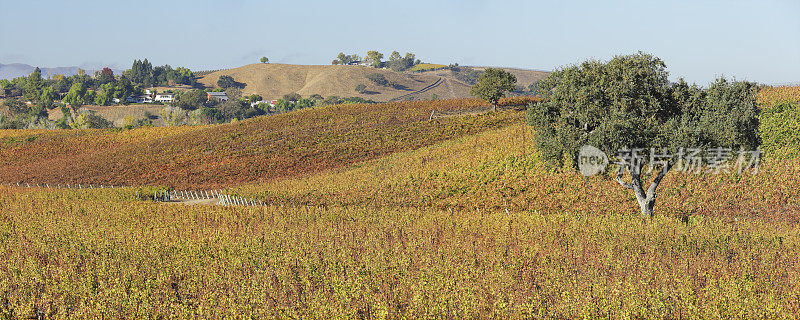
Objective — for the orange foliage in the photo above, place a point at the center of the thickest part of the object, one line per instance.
(771, 95)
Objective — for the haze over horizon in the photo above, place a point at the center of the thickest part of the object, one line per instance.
(698, 40)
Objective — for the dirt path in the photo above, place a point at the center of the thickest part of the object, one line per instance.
(429, 87)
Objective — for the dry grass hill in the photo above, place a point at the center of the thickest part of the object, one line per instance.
(274, 80)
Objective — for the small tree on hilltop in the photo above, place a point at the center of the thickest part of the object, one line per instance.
(374, 58)
(493, 84)
(264, 60)
(628, 104)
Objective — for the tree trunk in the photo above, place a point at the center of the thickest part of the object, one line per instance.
(646, 199)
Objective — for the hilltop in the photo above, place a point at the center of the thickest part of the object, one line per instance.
(273, 80)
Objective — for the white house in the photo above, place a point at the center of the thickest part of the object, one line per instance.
(221, 96)
(165, 97)
(144, 98)
(253, 104)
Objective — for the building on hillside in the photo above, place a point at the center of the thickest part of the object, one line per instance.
(165, 97)
(144, 98)
(253, 104)
(221, 96)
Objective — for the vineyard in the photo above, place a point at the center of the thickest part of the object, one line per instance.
(498, 170)
(427, 67)
(249, 151)
(772, 95)
(109, 255)
(382, 211)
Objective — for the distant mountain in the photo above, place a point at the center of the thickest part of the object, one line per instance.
(14, 70)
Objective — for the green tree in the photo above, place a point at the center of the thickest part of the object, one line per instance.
(48, 96)
(226, 82)
(492, 84)
(191, 100)
(5, 87)
(374, 58)
(63, 84)
(378, 79)
(264, 60)
(628, 104)
(106, 94)
(76, 95)
(399, 63)
(90, 120)
(361, 88)
(283, 106)
(123, 89)
(292, 97)
(33, 86)
(141, 72)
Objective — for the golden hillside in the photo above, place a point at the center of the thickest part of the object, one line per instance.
(273, 80)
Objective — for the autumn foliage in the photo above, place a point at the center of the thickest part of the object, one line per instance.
(249, 151)
(518, 101)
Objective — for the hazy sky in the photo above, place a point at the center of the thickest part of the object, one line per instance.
(699, 40)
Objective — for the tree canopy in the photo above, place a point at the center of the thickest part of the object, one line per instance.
(628, 103)
(492, 84)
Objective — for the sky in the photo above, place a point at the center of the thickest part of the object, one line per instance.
(699, 40)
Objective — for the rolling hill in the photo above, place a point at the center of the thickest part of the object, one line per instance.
(273, 80)
(14, 70)
(254, 150)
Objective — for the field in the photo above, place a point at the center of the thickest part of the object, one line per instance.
(377, 212)
(253, 150)
(426, 67)
(118, 113)
(110, 255)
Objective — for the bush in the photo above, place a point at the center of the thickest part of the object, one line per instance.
(293, 97)
(378, 79)
(226, 82)
(90, 120)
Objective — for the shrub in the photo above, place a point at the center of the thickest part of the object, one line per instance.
(378, 79)
(293, 97)
(361, 88)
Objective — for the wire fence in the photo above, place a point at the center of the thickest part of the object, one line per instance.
(216, 197)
